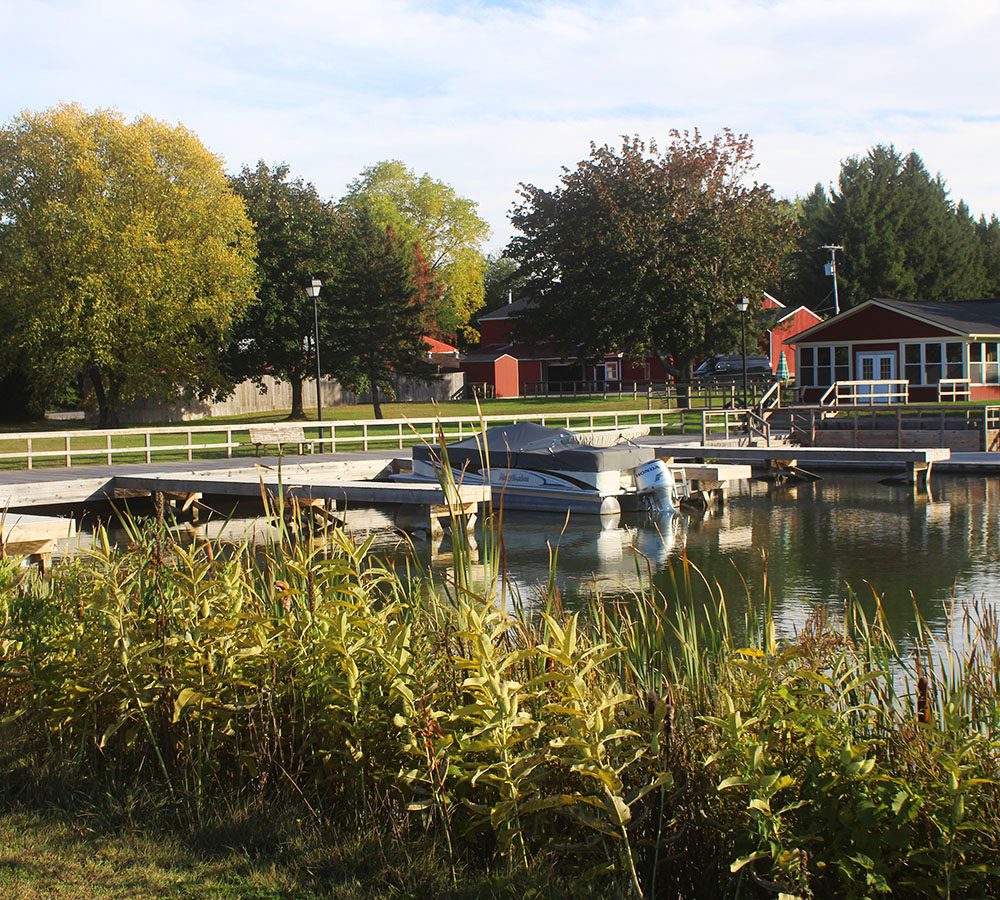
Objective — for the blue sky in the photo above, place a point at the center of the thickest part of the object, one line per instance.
(486, 94)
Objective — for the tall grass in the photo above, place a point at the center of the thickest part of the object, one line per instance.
(646, 744)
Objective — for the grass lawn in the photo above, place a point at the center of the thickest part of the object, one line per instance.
(55, 854)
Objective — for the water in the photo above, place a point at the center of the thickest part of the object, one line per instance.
(815, 542)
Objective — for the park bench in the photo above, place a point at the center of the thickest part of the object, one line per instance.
(269, 435)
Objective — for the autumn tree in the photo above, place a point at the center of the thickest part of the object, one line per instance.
(646, 251)
(424, 212)
(124, 255)
(903, 237)
(384, 295)
(297, 241)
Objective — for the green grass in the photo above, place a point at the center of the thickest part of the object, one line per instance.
(77, 855)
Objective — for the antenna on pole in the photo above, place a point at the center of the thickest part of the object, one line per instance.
(831, 269)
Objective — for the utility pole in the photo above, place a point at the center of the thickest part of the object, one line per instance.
(831, 269)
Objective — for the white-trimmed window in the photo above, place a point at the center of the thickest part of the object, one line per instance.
(822, 366)
(984, 362)
(928, 362)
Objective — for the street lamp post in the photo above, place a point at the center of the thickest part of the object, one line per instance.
(743, 304)
(312, 289)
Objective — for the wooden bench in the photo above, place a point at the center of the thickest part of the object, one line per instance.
(265, 435)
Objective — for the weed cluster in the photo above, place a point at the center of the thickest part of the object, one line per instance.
(645, 744)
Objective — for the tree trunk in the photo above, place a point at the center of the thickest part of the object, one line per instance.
(103, 412)
(373, 381)
(298, 412)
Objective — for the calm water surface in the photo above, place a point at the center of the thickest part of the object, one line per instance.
(814, 542)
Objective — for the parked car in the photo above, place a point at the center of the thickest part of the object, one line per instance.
(729, 370)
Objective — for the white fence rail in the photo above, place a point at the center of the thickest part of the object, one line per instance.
(147, 445)
(866, 393)
(954, 390)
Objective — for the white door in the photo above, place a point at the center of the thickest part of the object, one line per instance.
(876, 366)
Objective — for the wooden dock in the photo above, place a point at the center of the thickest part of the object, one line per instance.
(914, 465)
(33, 536)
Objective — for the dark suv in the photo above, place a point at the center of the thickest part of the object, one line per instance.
(729, 370)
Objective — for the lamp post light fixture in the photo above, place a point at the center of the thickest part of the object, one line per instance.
(312, 290)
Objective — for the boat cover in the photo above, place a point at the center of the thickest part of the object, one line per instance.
(529, 446)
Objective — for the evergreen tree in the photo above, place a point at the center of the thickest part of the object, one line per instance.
(385, 296)
(989, 236)
(903, 237)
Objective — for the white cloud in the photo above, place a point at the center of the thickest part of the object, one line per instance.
(486, 95)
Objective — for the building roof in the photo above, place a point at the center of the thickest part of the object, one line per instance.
(969, 318)
(518, 351)
(436, 346)
(508, 310)
(964, 316)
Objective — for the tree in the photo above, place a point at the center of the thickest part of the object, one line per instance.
(297, 241)
(430, 214)
(502, 278)
(902, 235)
(646, 252)
(989, 235)
(384, 295)
(124, 255)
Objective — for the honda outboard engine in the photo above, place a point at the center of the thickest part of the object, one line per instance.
(655, 481)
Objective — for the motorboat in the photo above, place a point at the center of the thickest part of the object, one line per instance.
(533, 467)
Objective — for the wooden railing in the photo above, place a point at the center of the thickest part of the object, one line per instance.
(770, 399)
(733, 424)
(866, 393)
(954, 390)
(176, 443)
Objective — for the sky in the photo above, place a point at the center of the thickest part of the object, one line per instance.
(485, 95)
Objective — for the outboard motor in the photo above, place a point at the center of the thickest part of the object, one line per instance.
(655, 481)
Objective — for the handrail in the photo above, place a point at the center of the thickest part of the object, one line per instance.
(94, 446)
(954, 390)
(825, 400)
(743, 423)
(770, 399)
(867, 392)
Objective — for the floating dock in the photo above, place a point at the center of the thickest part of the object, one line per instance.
(912, 465)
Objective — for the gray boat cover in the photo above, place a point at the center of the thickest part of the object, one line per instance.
(529, 446)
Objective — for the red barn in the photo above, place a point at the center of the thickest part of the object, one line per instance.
(939, 348)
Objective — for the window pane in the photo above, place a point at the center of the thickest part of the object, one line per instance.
(806, 357)
(954, 351)
(991, 352)
(975, 353)
(992, 373)
(823, 356)
(840, 356)
(932, 353)
(913, 353)
(806, 376)
(842, 372)
(914, 373)
(976, 372)
(932, 373)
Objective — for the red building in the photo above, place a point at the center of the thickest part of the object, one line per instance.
(512, 369)
(784, 324)
(924, 343)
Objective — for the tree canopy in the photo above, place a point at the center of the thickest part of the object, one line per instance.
(297, 234)
(903, 237)
(424, 212)
(385, 297)
(646, 251)
(124, 255)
